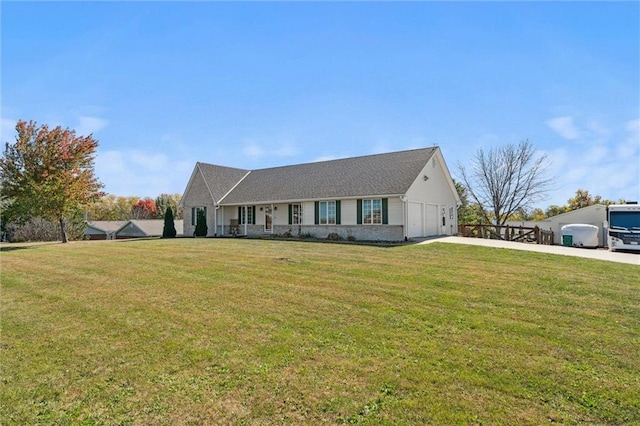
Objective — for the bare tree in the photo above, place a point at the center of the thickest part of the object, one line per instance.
(506, 179)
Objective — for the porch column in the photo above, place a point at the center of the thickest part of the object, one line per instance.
(215, 221)
(221, 220)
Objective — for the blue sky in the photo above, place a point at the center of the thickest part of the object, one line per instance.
(162, 85)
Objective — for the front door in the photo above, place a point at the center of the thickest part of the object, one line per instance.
(268, 225)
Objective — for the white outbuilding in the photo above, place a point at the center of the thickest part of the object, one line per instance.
(595, 215)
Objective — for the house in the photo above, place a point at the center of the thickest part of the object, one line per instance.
(591, 215)
(140, 228)
(103, 229)
(384, 197)
(120, 229)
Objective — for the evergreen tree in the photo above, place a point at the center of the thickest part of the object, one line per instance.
(201, 224)
(169, 230)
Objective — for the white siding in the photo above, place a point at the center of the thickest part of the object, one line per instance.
(395, 211)
(308, 212)
(349, 212)
(260, 215)
(415, 226)
(436, 195)
(433, 219)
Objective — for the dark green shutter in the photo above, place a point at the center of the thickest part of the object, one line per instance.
(290, 214)
(359, 214)
(240, 215)
(253, 216)
(385, 211)
(338, 212)
(316, 219)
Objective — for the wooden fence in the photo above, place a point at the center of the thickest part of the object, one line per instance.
(522, 234)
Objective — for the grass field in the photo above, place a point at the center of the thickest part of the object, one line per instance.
(223, 331)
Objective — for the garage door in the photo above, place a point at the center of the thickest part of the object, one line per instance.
(432, 220)
(415, 220)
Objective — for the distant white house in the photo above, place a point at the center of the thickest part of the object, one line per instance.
(591, 215)
(385, 197)
(112, 230)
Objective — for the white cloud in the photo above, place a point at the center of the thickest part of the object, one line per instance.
(256, 151)
(632, 140)
(287, 149)
(564, 126)
(633, 127)
(253, 150)
(110, 161)
(629, 148)
(576, 173)
(90, 125)
(141, 173)
(594, 154)
(606, 162)
(597, 129)
(148, 161)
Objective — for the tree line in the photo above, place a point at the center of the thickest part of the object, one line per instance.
(49, 189)
(504, 183)
(109, 207)
(472, 213)
(112, 207)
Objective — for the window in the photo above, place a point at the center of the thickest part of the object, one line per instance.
(327, 212)
(295, 214)
(194, 214)
(247, 215)
(372, 211)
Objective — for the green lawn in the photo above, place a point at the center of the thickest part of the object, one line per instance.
(223, 331)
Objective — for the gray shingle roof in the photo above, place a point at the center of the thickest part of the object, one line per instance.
(380, 174)
(221, 179)
(149, 227)
(106, 225)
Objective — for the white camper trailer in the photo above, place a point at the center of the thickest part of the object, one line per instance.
(580, 235)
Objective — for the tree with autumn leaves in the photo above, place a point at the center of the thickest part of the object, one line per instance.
(48, 173)
(144, 208)
(112, 207)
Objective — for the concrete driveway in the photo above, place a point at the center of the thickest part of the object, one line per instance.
(600, 254)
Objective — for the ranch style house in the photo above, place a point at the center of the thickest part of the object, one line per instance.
(384, 197)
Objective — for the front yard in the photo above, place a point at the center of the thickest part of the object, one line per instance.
(234, 331)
